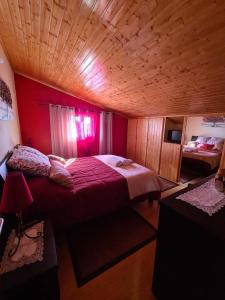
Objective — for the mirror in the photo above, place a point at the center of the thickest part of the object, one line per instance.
(202, 147)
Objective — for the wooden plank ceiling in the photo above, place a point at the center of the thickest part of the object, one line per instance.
(141, 58)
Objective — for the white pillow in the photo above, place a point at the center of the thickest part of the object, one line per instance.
(189, 149)
(57, 158)
(202, 139)
(192, 144)
(60, 175)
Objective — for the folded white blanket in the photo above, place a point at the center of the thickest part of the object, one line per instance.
(124, 162)
(116, 161)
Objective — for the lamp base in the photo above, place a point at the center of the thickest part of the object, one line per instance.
(20, 233)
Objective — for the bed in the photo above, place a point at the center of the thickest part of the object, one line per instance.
(202, 157)
(98, 188)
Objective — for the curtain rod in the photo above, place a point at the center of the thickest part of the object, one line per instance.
(66, 106)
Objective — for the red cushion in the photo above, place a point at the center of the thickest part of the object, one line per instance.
(205, 146)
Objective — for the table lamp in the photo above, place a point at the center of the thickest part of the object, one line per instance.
(16, 197)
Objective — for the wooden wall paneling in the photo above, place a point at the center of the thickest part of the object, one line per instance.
(141, 58)
(141, 144)
(182, 143)
(170, 161)
(154, 143)
(131, 138)
(184, 131)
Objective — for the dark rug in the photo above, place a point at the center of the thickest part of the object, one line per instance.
(167, 184)
(98, 245)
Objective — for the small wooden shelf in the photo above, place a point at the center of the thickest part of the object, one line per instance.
(173, 123)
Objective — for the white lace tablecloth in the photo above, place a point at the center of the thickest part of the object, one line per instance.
(205, 197)
(29, 250)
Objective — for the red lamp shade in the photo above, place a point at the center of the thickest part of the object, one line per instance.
(16, 194)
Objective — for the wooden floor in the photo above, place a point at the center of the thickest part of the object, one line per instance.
(130, 279)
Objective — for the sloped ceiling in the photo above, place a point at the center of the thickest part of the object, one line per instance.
(141, 58)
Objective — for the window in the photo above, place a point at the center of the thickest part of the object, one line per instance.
(83, 126)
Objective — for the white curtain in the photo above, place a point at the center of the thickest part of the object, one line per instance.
(63, 131)
(105, 140)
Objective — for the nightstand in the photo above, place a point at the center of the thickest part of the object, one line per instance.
(190, 260)
(38, 280)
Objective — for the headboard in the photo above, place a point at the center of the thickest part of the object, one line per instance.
(3, 170)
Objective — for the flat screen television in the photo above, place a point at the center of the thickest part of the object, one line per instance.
(174, 136)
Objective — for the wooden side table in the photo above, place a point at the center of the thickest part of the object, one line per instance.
(38, 280)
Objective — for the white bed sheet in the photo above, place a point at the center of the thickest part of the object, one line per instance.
(140, 180)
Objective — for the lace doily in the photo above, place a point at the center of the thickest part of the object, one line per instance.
(205, 197)
(29, 250)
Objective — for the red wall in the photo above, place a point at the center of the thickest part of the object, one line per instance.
(33, 99)
(119, 134)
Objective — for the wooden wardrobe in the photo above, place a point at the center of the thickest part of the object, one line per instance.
(148, 146)
(144, 141)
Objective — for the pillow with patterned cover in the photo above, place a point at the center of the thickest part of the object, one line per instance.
(29, 163)
(202, 139)
(215, 140)
(32, 150)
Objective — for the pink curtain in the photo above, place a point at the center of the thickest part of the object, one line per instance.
(63, 133)
(86, 123)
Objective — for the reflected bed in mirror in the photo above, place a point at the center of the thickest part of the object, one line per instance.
(202, 149)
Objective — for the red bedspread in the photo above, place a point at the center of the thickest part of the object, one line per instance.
(98, 189)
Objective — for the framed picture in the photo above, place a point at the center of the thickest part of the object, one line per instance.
(214, 121)
(6, 112)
